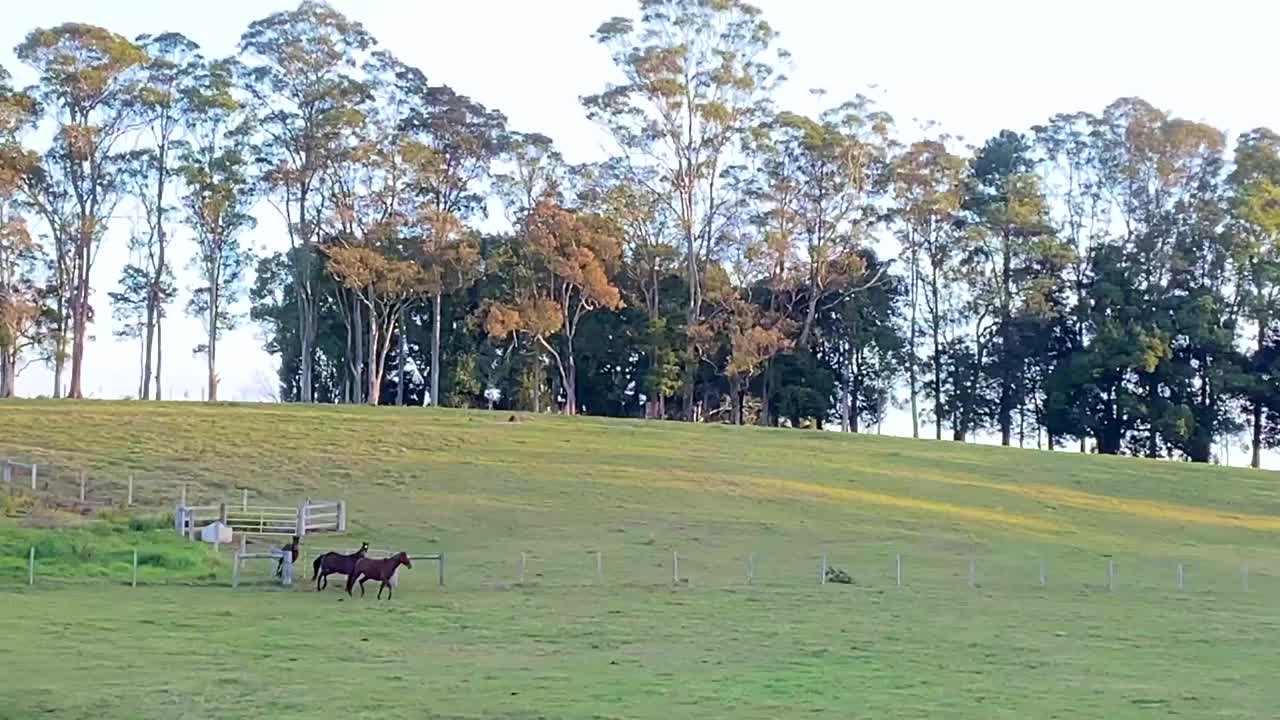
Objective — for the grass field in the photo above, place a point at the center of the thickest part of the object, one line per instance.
(631, 644)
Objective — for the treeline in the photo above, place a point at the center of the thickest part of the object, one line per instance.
(1107, 280)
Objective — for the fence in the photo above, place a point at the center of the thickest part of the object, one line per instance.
(69, 485)
(893, 572)
(243, 554)
(307, 517)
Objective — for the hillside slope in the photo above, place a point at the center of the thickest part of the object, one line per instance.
(561, 489)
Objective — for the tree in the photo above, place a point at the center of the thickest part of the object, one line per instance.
(451, 261)
(1081, 215)
(87, 78)
(572, 257)
(867, 345)
(1254, 196)
(455, 143)
(385, 285)
(1015, 262)
(649, 262)
(130, 306)
(928, 189)
(215, 167)
(696, 77)
(839, 164)
(172, 63)
(19, 294)
(306, 102)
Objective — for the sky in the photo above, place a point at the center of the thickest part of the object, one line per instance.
(973, 67)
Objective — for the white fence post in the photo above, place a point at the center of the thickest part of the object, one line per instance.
(129, 502)
(1180, 575)
(82, 481)
(34, 473)
(899, 569)
(302, 520)
(1111, 575)
(822, 570)
(751, 569)
(134, 583)
(441, 568)
(675, 567)
(235, 570)
(600, 565)
(524, 561)
(31, 566)
(244, 499)
(7, 471)
(342, 516)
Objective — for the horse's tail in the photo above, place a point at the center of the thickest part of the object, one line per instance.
(315, 566)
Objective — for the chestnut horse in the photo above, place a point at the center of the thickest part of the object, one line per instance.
(383, 571)
(334, 562)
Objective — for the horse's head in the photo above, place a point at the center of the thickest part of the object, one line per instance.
(403, 557)
(364, 549)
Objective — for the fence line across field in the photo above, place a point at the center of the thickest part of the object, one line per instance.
(97, 489)
(1109, 570)
(277, 555)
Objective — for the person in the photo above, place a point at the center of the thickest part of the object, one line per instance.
(294, 550)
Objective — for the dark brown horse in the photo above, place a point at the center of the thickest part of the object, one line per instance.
(335, 562)
(383, 571)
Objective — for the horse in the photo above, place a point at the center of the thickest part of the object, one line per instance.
(382, 570)
(292, 548)
(335, 562)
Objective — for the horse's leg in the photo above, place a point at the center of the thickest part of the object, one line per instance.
(381, 585)
(351, 580)
(363, 580)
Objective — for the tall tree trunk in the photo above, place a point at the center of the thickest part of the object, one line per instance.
(845, 401)
(213, 341)
(811, 312)
(360, 363)
(691, 312)
(766, 412)
(306, 298)
(913, 385)
(1255, 460)
(936, 330)
(400, 357)
(59, 362)
(570, 378)
(159, 352)
(79, 322)
(435, 348)
(376, 360)
(1006, 343)
(144, 387)
(349, 351)
(8, 371)
(855, 395)
(1153, 433)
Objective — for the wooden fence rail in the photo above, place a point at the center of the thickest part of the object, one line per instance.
(307, 517)
(241, 555)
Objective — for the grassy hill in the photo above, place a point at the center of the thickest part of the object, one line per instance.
(629, 644)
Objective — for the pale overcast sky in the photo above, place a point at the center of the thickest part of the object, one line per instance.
(974, 67)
